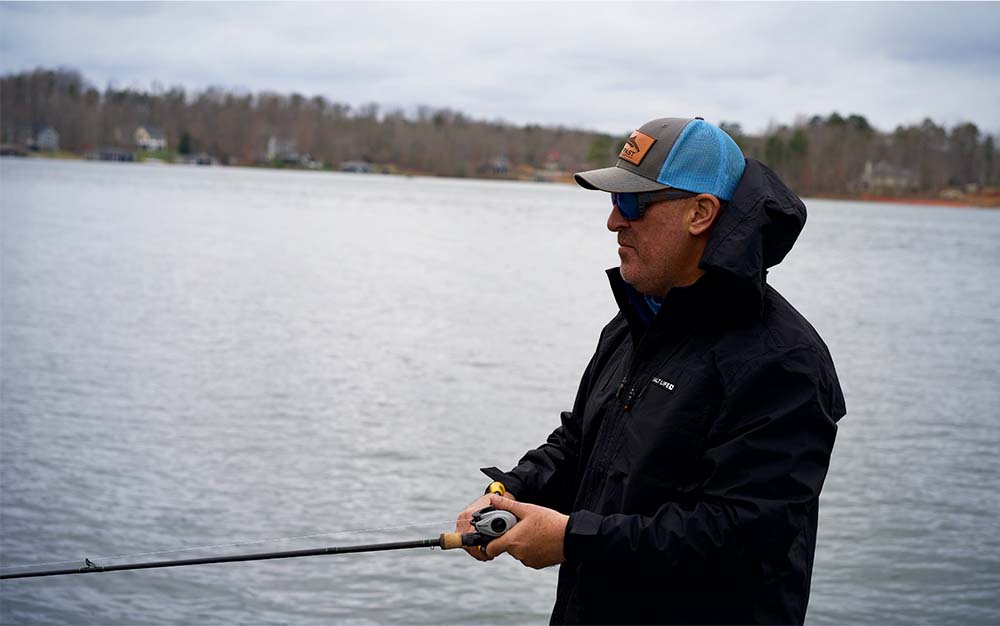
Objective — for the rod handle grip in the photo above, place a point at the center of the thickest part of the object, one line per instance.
(448, 541)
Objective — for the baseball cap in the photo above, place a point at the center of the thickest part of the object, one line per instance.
(672, 153)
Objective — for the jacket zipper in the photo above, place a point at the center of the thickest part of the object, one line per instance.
(631, 393)
(610, 442)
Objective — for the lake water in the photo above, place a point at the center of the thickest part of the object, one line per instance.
(199, 357)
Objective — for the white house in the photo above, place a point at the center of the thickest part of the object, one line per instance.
(150, 138)
(47, 139)
(282, 150)
(882, 177)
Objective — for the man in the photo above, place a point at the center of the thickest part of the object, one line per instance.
(683, 487)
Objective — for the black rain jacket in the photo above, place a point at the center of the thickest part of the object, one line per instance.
(692, 462)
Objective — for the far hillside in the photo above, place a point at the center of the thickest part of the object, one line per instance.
(59, 111)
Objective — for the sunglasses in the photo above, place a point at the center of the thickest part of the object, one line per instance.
(633, 205)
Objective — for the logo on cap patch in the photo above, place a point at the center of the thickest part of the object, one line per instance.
(636, 147)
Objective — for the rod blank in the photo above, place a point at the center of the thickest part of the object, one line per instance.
(235, 558)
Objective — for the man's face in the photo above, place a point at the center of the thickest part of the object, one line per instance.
(657, 251)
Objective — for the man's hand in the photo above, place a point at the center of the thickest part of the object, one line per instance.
(464, 523)
(537, 538)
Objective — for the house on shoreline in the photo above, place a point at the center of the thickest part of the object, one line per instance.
(150, 138)
(884, 178)
(46, 139)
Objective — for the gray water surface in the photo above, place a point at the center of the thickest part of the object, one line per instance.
(197, 357)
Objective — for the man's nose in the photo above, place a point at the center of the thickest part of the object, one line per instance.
(616, 221)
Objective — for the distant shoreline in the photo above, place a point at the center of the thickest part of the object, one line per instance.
(988, 200)
(978, 201)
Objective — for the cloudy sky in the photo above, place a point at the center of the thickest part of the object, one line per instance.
(601, 66)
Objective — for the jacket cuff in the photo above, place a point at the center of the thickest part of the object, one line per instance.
(510, 482)
(582, 535)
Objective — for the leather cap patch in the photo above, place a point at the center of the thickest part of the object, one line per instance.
(636, 147)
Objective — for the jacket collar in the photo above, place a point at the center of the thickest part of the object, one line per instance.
(712, 300)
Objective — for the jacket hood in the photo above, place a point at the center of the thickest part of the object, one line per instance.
(755, 231)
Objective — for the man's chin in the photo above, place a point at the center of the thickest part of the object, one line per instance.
(627, 273)
(632, 277)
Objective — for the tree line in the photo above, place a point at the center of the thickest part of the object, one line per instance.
(830, 155)
(818, 155)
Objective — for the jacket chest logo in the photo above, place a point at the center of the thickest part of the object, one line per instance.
(669, 386)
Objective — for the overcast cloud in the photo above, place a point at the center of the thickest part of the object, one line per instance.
(601, 66)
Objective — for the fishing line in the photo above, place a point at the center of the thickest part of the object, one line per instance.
(246, 542)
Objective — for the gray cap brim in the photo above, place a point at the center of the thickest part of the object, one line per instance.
(616, 180)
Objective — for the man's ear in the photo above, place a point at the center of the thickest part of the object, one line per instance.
(702, 213)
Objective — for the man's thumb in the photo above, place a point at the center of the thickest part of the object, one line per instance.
(506, 504)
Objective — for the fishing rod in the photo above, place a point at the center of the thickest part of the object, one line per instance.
(489, 523)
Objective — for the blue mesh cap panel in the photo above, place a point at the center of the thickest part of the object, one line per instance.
(704, 159)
